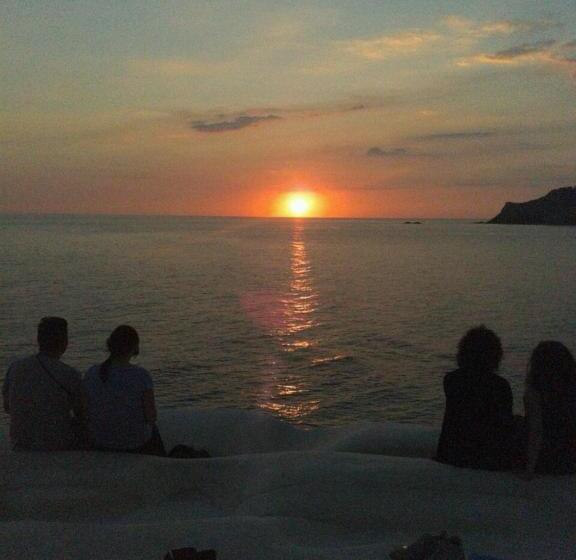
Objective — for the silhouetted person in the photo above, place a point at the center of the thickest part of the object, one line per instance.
(43, 396)
(478, 421)
(121, 406)
(550, 405)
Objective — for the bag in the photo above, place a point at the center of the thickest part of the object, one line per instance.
(431, 547)
(190, 553)
(188, 452)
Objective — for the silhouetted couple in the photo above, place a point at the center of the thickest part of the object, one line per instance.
(479, 429)
(52, 409)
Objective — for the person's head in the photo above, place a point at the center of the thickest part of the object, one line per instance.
(53, 335)
(479, 350)
(552, 367)
(124, 342)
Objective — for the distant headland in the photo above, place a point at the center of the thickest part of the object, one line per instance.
(557, 208)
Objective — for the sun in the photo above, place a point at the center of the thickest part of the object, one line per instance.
(299, 204)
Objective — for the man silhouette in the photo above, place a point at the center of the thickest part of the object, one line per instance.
(43, 396)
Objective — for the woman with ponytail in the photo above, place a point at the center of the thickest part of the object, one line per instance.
(550, 405)
(121, 407)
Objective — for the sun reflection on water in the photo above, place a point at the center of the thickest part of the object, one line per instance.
(292, 411)
(302, 300)
(298, 317)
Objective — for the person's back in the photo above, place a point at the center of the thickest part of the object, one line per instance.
(116, 417)
(121, 407)
(550, 401)
(477, 421)
(558, 454)
(478, 418)
(40, 395)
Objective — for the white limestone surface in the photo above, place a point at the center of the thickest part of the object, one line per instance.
(274, 491)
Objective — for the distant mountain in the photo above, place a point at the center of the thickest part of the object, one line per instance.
(557, 208)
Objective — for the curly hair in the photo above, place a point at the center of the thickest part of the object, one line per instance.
(479, 350)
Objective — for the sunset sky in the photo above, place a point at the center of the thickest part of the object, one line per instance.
(388, 108)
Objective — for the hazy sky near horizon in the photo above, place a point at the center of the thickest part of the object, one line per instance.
(392, 108)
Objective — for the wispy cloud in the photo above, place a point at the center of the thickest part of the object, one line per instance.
(566, 59)
(460, 135)
(379, 48)
(566, 53)
(471, 28)
(228, 119)
(525, 53)
(466, 43)
(377, 152)
(237, 123)
(451, 29)
(526, 49)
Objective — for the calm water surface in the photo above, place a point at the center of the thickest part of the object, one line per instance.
(321, 322)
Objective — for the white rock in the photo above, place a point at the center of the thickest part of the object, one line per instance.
(274, 491)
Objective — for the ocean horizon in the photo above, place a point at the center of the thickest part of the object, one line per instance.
(320, 322)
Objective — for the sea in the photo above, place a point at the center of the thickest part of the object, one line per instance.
(320, 322)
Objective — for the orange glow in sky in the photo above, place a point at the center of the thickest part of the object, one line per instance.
(194, 130)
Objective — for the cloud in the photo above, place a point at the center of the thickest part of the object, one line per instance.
(468, 27)
(466, 135)
(566, 60)
(230, 119)
(237, 123)
(383, 47)
(389, 153)
(526, 52)
(398, 153)
(525, 49)
(451, 30)
(329, 109)
(564, 53)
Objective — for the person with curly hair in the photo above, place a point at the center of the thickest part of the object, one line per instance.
(478, 427)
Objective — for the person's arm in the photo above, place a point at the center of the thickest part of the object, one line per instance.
(533, 411)
(149, 405)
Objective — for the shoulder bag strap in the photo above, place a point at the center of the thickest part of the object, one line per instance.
(66, 390)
